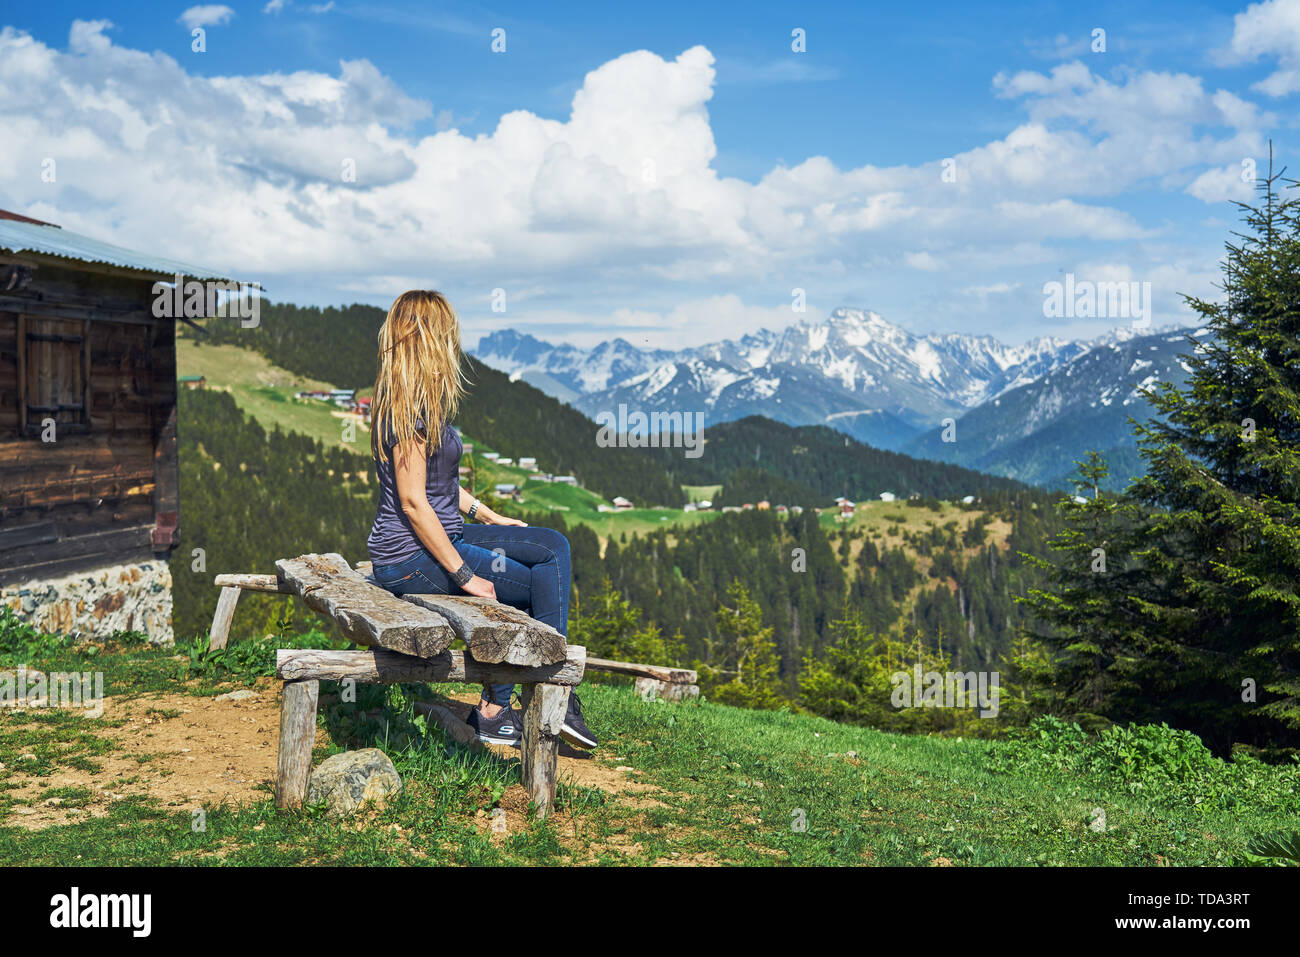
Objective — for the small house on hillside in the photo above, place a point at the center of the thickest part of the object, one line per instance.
(89, 491)
(888, 496)
(621, 504)
(193, 381)
(528, 462)
(565, 480)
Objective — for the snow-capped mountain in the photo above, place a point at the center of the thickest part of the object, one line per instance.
(855, 372)
(1036, 431)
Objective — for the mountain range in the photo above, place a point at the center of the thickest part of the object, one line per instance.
(1026, 412)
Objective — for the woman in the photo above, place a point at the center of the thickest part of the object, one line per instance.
(419, 542)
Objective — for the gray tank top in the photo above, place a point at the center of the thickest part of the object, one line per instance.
(392, 539)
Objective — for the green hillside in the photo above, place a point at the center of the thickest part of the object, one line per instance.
(672, 784)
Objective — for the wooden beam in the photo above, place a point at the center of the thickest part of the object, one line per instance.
(364, 612)
(496, 633)
(453, 726)
(544, 707)
(659, 672)
(221, 620)
(297, 735)
(252, 583)
(85, 550)
(377, 666)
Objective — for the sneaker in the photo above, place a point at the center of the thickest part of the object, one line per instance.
(575, 730)
(506, 728)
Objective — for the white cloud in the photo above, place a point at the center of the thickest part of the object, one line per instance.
(275, 6)
(1269, 29)
(206, 15)
(615, 208)
(1221, 184)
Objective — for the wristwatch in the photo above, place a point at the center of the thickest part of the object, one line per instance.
(473, 508)
(462, 575)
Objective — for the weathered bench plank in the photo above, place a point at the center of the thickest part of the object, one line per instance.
(297, 735)
(364, 612)
(377, 666)
(495, 633)
(664, 673)
(249, 582)
(544, 707)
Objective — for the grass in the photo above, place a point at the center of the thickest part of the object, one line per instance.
(706, 783)
(267, 392)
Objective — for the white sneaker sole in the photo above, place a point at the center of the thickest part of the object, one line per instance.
(575, 739)
(489, 739)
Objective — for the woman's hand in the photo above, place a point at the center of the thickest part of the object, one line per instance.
(480, 588)
(489, 517)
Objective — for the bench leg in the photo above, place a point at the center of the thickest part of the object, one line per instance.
(224, 614)
(544, 707)
(297, 735)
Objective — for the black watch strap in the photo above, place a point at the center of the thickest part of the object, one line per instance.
(462, 575)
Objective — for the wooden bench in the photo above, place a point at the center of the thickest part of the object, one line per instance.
(408, 639)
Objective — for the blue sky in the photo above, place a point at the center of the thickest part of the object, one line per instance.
(704, 170)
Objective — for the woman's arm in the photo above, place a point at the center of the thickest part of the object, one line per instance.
(484, 514)
(409, 468)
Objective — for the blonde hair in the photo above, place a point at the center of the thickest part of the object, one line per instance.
(420, 376)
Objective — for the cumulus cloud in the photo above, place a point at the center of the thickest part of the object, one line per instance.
(206, 15)
(1269, 30)
(343, 181)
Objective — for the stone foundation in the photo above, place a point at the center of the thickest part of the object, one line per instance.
(94, 604)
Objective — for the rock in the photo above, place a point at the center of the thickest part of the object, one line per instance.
(346, 781)
(1097, 820)
(243, 694)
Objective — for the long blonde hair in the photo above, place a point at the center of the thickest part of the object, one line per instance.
(420, 375)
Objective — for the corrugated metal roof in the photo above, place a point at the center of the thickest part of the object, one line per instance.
(52, 241)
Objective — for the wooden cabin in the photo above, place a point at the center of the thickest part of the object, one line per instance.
(89, 497)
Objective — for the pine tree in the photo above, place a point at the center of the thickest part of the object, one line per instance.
(747, 643)
(1198, 611)
(1223, 468)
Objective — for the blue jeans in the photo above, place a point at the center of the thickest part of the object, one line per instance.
(528, 566)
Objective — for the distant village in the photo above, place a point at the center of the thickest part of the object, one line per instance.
(346, 399)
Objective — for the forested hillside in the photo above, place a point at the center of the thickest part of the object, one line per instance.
(821, 460)
(250, 497)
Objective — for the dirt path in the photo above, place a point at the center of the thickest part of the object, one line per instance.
(204, 752)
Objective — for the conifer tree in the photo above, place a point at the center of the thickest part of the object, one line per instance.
(1197, 619)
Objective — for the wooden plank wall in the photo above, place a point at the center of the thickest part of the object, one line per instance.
(91, 497)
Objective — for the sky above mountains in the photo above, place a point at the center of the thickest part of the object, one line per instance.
(667, 173)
